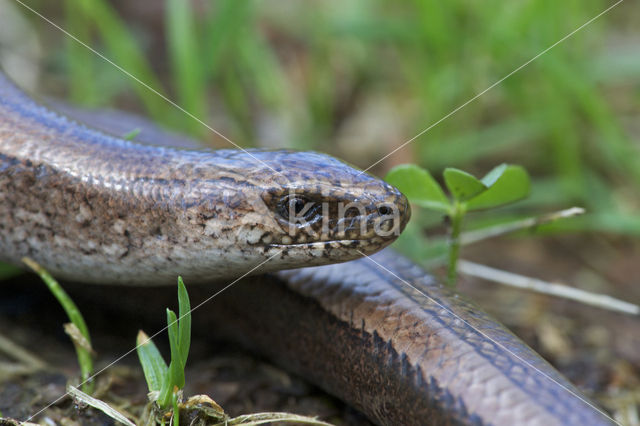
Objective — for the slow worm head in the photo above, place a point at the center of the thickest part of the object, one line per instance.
(95, 208)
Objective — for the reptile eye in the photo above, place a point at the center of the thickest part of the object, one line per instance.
(296, 205)
(384, 210)
(296, 209)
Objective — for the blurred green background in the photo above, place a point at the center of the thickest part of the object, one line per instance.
(357, 79)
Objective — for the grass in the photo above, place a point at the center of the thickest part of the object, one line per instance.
(310, 71)
(166, 382)
(77, 328)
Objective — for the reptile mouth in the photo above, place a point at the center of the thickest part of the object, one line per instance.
(319, 244)
(363, 244)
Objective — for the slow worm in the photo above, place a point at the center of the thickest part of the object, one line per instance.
(378, 332)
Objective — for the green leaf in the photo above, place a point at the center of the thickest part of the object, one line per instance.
(419, 187)
(510, 183)
(184, 325)
(164, 399)
(154, 367)
(462, 185)
(175, 373)
(175, 366)
(163, 378)
(490, 178)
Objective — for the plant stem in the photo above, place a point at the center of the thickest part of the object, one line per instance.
(505, 228)
(554, 289)
(454, 242)
(176, 409)
(72, 311)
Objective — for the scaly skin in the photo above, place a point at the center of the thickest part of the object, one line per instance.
(402, 356)
(95, 208)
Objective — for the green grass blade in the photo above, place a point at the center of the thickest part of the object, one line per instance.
(176, 371)
(227, 19)
(65, 301)
(184, 325)
(265, 72)
(125, 51)
(170, 379)
(80, 60)
(84, 356)
(153, 365)
(186, 64)
(166, 390)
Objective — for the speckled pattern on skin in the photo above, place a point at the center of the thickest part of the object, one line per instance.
(95, 208)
